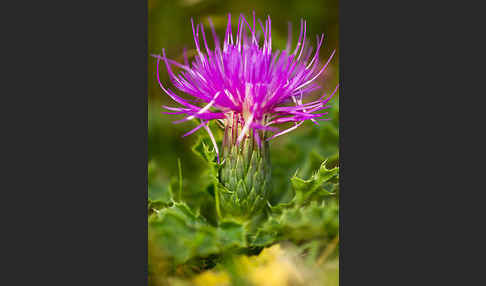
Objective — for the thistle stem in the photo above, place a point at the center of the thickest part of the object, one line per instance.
(216, 198)
(180, 178)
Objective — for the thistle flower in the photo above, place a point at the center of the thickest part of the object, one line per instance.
(249, 89)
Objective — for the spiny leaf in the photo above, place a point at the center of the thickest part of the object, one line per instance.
(300, 224)
(306, 188)
(183, 235)
(202, 149)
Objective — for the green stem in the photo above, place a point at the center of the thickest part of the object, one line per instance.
(180, 179)
(216, 198)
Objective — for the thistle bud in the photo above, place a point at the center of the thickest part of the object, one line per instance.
(244, 174)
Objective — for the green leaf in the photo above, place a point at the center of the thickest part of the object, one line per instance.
(203, 149)
(312, 213)
(183, 235)
(232, 234)
(157, 191)
(304, 189)
(301, 223)
(264, 238)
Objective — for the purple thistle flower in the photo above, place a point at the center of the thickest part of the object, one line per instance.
(245, 85)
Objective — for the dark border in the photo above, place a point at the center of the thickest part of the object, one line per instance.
(79, 144)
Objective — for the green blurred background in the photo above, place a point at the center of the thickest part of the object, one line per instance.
(169, 27)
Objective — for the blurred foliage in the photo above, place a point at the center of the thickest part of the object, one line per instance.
(280, 264)
(188, 243)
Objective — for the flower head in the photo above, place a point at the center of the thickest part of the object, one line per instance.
(244, 84)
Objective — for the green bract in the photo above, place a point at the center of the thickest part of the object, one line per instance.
(244, 179)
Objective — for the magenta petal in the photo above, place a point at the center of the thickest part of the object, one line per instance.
(243, 79)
